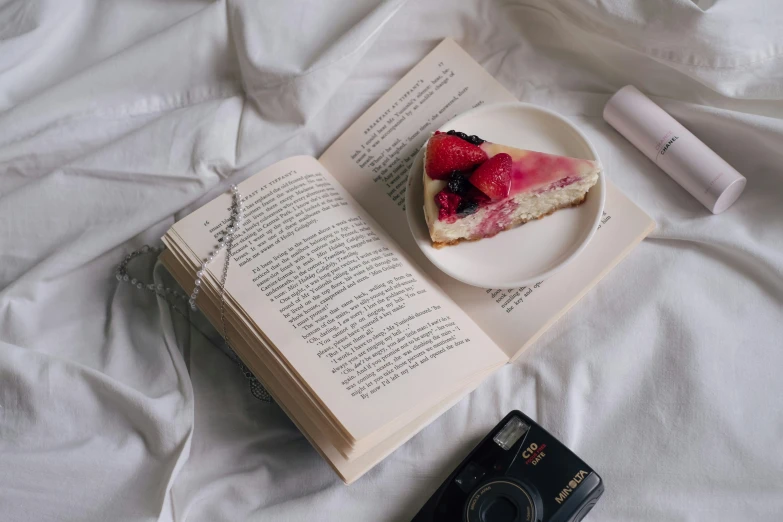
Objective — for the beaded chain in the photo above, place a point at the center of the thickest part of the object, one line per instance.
(175, 297)
(224, 241)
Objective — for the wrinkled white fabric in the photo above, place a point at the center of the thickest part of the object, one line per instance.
(120, 116)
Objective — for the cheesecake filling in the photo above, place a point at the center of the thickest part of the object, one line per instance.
(496, 217)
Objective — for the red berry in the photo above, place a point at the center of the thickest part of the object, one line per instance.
(447, 203)
(493, 177)
(446, 153)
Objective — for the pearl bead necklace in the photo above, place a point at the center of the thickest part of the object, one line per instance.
(121, 273)
(224, 242)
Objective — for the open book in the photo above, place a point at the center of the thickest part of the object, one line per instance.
(328, 300)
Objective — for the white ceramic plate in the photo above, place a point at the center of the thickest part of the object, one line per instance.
(531, 252)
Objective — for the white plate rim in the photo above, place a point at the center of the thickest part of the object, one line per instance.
(425, 243)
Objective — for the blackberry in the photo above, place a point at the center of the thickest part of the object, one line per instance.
(458, 183)
(475, 140)
(467, 207)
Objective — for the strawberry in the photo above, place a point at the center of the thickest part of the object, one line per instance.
(493, 177)
(447, 203)
(446, 153)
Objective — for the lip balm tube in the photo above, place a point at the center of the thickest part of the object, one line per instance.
(672, 147)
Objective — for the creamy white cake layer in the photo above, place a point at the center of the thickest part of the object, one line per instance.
(495, 217)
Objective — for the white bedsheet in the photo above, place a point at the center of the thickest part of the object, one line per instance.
(120, 116)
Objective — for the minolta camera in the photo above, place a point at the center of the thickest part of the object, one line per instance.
(519, 473)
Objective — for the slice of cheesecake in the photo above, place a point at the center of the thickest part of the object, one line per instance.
(474, 189)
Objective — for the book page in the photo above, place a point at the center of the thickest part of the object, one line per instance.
(288, 398)
(346, 309)
(373, 157)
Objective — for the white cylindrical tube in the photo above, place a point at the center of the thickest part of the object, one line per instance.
(672, 147)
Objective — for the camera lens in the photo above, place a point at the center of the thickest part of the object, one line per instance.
(501, 500)
(500, 509)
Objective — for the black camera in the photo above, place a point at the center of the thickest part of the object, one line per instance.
(519, 473)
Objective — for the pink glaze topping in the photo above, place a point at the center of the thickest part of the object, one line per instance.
(530, 169)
